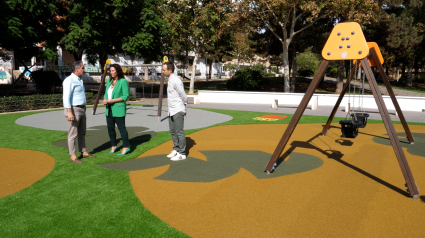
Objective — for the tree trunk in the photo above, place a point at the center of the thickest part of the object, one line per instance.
(186, 74)
(403, 73)
(294, 70)
(359, 72)
(286, 68)
(219, 69)
(102, 61)
(210, 69)
(397, 74)
(347, 68)
(17, 59)
(416, 65)
(78, 56)
(386, 71)
(192, 77)
(340, 76)
(409, 74)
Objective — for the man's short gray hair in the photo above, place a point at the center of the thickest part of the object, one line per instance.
(76, 64)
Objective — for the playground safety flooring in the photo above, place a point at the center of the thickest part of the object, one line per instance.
(327, 186)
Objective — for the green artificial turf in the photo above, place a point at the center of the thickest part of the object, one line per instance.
(88, 200)
(75, 200)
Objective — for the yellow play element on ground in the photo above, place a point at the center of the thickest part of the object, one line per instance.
(346, 42)
(370, 58)
(20, 169)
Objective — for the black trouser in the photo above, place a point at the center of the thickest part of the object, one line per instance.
(120, 121)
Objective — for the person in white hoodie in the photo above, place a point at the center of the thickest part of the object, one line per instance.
(177, 101)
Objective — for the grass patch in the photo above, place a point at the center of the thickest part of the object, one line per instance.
(84, 201)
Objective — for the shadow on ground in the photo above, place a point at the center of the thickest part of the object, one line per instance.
(97, 138)
(336, 156)
(220, 165)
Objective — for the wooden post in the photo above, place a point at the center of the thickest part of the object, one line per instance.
(404, 166)
(101, 88)
(161, 89)
(338, 102)
(392, 95)
(298, 113)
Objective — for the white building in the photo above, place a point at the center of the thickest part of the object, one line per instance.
(93, 72)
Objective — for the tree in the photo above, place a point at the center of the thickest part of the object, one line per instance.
(102, 28)
(220, 50)
(197, 23)
(26, 24)
(399, 33)
(276, 60)
(404, 33)
(241, 48)
(282, 17)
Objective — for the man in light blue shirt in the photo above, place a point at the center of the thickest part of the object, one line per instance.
(74, 102)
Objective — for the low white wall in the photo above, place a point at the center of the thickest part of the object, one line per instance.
(406, 103)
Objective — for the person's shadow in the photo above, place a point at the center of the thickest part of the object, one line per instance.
(97, 138)
(189, 144)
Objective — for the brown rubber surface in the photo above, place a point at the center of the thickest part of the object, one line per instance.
(20, 169)
(362, 194)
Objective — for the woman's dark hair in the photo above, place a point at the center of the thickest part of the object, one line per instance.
(117, 68)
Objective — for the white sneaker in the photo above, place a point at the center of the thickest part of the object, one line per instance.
(178, 157)
(173, 153)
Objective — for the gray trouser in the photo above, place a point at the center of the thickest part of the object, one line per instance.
(176, 123)
(77, 128)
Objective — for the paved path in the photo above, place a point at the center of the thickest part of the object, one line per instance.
(321, 111)
(290, 109)
(136, 116)
(383, 89)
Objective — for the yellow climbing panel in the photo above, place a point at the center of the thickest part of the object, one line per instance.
(346, 42)
(369, 58)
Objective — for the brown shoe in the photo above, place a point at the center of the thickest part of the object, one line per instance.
(76, 161)
(87, 156)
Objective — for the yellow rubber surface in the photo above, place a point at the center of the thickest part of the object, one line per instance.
(20, 169)
(360, 195)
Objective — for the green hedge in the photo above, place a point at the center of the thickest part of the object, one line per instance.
(36, 101)
(247, 79)
(305, 73)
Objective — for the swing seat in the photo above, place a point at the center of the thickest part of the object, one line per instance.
(360, 117)
(349, 128)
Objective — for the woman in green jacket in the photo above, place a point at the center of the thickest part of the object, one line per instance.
(115, 96)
